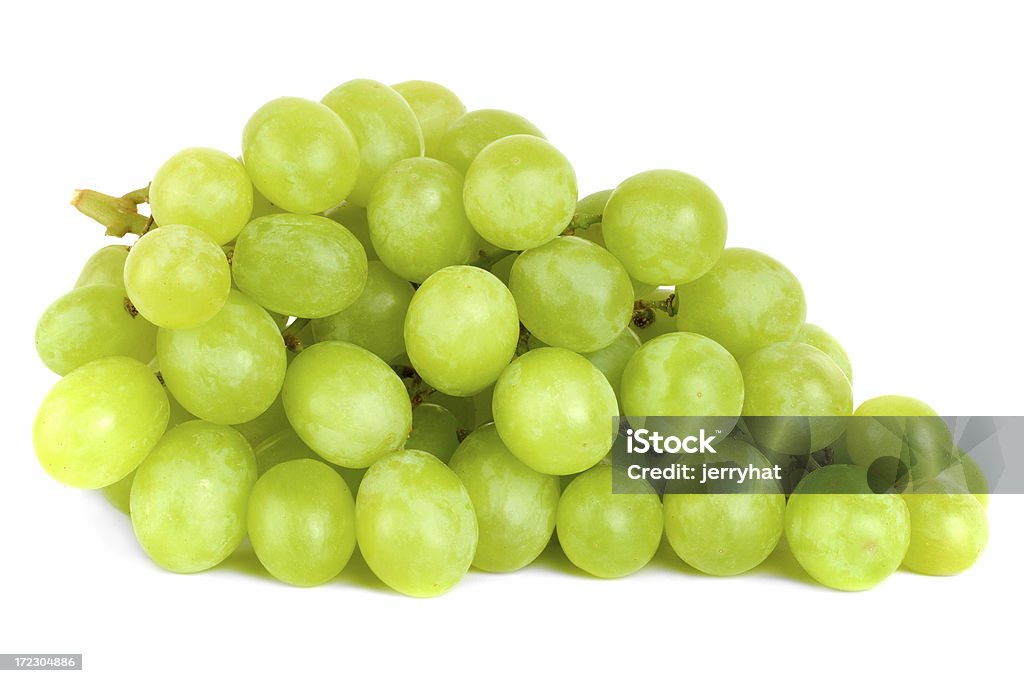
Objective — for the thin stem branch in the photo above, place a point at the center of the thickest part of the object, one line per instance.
(120, 215)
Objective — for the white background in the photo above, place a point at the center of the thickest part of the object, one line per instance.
(876, 150)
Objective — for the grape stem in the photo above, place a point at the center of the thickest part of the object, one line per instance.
(414, 384)
(120, 215)
(582, 221)
(292, 340)
(487, 258)
(645, 311)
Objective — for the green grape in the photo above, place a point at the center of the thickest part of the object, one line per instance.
(305, 266)
(593, 205)
(261, 206)
(724, 534)
(436, 108)
(415, 524)
(301, 522)
(794, 380)
(177, 277)
(270, 421)
(820, 339)
(612, 359)
(435, 430)
(204, 188)
(92, 322)
(609, 534)
(747, 301)
(555, 411)
(572, 293)
(520, 192)
(190, 496)
(119, 493)
(461, 329)
(896, 436)
(667, 227)
(417, 223)
(515, 506)
(384, 126)
(842, 534)
(105, 267)
(375, 320)
(502, 268)
(948, 531)
(462, 407)
(346, 404)
(972, 478)
(354, 218)
(473, 131)
(99, 422)
(300, 155)
(228, 370)
(483, 407)
(286, 446)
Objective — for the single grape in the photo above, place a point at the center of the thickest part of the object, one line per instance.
(899, 434)
(305, 266)
(286, 446)
(354, 218)
(593, 206)
(972, 478)
(948, 531)
(261, 206)
(301, 522)
(820, 339)
(177, 277)
(415, 524)
(204, 188)
(515, 506)
(555, 411)
(609, 534)
(612, 359)
(747, 301)
(384, 126)
(461, 329)
(436, 108)
(520, 192)
(270, 421)
(99, 422)
(471, 132)
(119, 493)
(462, 407)
(105, 267)
(435, 430)
(502, 268)
(90, 322)
(346, 404)
(300, 155)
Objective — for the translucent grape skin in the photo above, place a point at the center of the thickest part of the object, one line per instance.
(305, 266)
(520, 192)
(204, 188)
(667, 227)
(269, 422)
(415, 524)
(845, 540)
(719, 304)
(417, 221)
(435, 430)
(99, 422)
(300, 155)
(177, 276)
(948, 531)
(354, 219)
(301, 522)
(436, 108)
(91, 322)
(554, 410)
(375, 320)
(605, 534)
(461, 354)
(286, 446)
(104, 267)
(229, 369)
(820, 339)
(515, 506)
(190, 496)
(470, 133)
(612, 359)
(572, 293)
(384, 125)
(346, 404)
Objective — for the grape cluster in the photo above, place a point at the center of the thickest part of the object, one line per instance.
(391, 323)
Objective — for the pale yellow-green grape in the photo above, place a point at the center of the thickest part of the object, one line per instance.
(354, 218)
(473, 131)
(271, 421)
(515, 506)
(971, 476)
(436, 108)
(177, 276)
(820, 339)
(948, 531)
(747, 301)
(502, 268)
(261, 206)
(483, 407)
(461, 330)
(415, 524)
(302, 522)
(520, 192)
(435, 430)
(105, 267)
(346, 404)
(204, 188)
(572, 293)
(844, 535)
(794, 380)
(285, 446)
(384, 126)
(593, 205)
(376, 319)
(305, 266)
(417, 222)
(555, 411)
(612, 359)
(300, 155)
(609, 534)
(228, 370)
(189, 497)
(90, 322)
(462, 407)
(99, 422)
